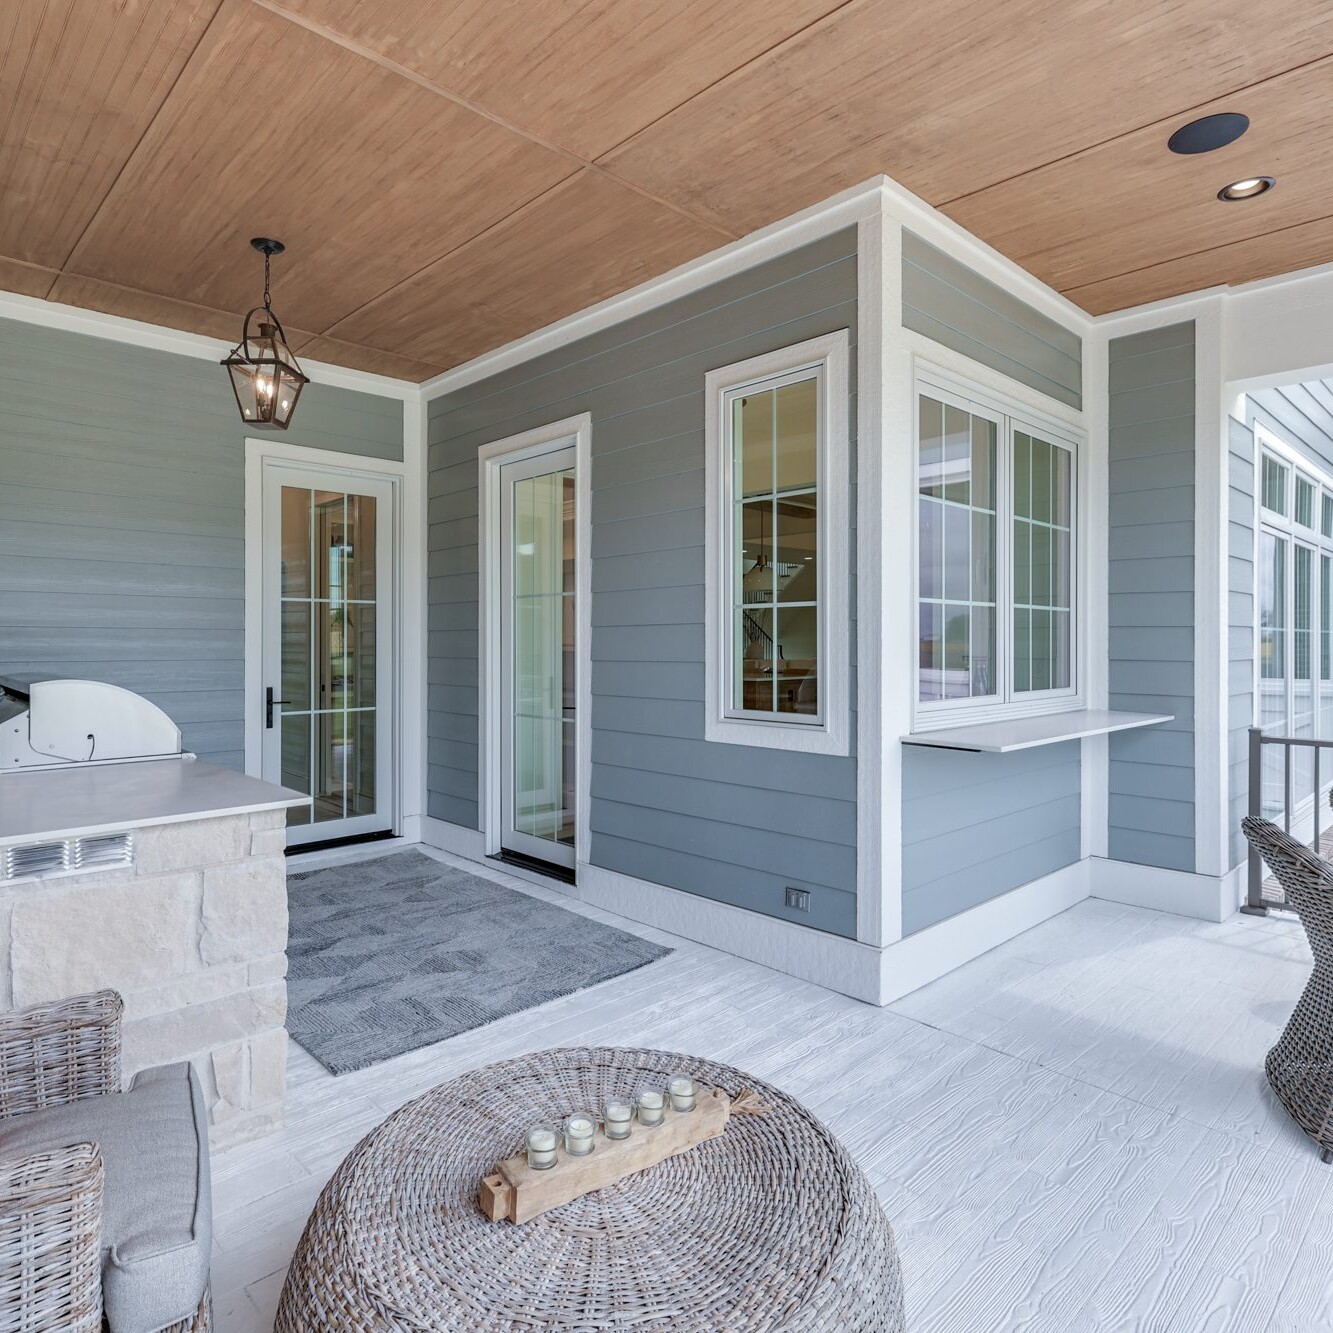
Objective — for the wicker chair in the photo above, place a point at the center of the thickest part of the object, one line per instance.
(51, 1202)
(1300, 1066)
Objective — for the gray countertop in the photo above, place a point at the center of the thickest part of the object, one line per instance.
(105, 798)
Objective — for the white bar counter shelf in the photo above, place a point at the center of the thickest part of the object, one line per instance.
(1025, 733)
(161, 876)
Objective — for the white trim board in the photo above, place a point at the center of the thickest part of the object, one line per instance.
(1205, 897)
(923, 957)
(877, 976)
(159, 337)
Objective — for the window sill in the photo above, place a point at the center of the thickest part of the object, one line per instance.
(1026, 733)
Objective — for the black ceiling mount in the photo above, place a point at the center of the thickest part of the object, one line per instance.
(1209, 133)
(266, 246)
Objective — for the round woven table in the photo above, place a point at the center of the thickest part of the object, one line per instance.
(770, 1226)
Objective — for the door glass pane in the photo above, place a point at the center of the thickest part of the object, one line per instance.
(295, 759)
(359, 547)
(775, 527)
(543, 657)
(330, 731)
(295, 692)
(956, 550)
(295, 543)
(328, 652)
(361, 764)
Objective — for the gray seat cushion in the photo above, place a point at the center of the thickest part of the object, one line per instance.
(157, 1212)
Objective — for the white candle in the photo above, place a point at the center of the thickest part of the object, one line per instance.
(542, 1143)
(682, 1093)
(651, 1103)
(579, 1131)
(618, 1118)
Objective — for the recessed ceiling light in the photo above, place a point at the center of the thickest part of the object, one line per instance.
(1209, 133)
(1246, 189)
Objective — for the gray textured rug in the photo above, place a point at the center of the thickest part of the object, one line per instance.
(396, 953)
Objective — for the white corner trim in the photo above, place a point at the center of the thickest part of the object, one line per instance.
(116, 328)
(929, 954)
(1204, 897)
(1094, 629)
(576, 430)
(878, 273)
(828, 357)
(413, 618)
(1212, 480)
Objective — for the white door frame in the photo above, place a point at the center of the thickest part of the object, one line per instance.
(576, 431)
(261, 454)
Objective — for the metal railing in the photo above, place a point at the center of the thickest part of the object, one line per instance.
(1256, 903)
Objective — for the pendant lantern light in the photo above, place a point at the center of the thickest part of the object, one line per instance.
(265, 375)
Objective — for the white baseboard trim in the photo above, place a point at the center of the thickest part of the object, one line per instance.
(1204, 897)
(929, 954)
(877, 976)
(468, 842)
(828, 960)
(411, 828)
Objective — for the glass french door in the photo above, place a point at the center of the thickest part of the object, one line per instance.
(537, 657)
(327, 645)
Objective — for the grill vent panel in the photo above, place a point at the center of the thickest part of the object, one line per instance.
(67, 856)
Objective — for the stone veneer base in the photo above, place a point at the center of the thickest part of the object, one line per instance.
(194, 937)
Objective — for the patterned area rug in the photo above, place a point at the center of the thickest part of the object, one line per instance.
(393, 954)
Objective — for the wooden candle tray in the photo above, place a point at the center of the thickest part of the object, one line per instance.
(517, 1192)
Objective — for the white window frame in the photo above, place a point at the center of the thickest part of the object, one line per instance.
(1286, 529)
(829, 731)
(1010, 414)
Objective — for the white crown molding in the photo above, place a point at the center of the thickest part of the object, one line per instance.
(116, 328)
(845, 209)
(878, 196)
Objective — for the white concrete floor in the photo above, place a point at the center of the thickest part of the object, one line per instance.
(1071, 1133)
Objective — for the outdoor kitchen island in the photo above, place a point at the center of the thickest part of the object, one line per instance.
(164, 879)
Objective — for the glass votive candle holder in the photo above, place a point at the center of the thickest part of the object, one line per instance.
(617, 1119)
(684, 1095)
(650, 1104)
(579, 1134)
(541, 1147)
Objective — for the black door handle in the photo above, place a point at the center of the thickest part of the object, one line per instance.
(269, 701)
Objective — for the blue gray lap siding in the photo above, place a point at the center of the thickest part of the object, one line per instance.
(950, 303)
(976, 826)
(1151, 594)
(122, 518)
(727, 822)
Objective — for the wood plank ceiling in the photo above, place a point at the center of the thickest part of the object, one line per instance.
(451, 174)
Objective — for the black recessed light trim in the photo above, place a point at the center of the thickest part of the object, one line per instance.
(1209, 133)
(1249, 188)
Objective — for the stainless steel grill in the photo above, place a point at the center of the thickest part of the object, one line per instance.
(57, 723)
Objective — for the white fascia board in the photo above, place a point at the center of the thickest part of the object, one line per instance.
(116, 328)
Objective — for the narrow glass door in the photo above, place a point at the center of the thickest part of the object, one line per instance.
(538, 657)
(326, 618)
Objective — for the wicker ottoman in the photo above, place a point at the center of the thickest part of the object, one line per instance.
(771, 1226)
